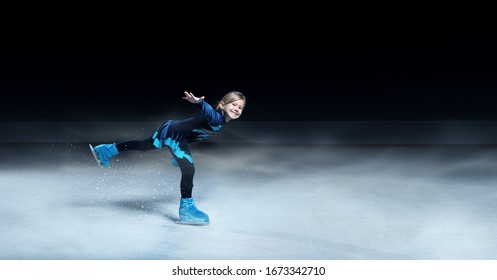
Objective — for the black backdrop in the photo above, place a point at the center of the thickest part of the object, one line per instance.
(414, 67)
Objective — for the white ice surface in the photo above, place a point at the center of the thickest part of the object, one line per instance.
(265, 202)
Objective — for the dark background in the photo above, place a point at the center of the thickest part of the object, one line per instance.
(417, 66)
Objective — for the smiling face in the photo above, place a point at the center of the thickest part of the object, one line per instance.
(232, 110)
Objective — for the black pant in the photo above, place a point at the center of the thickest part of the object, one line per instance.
(187, 168)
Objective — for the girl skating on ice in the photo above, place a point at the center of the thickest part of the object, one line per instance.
(176, 135)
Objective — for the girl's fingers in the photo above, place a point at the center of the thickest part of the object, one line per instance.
(190, 97)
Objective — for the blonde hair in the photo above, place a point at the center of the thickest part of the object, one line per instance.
(231, 96)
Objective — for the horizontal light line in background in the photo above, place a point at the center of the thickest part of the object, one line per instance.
(271, 132)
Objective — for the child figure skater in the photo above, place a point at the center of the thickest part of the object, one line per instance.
(176, 135)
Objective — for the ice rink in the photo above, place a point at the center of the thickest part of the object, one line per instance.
(265, 201)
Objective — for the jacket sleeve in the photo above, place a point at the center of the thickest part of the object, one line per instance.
(213, 118)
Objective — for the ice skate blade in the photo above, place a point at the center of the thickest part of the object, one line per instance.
(191, 223)
(95, 155)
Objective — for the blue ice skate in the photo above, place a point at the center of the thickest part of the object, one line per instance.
(190, 215)
(103, 153)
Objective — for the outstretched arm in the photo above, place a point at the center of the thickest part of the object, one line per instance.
(192, 98)
(213, 117)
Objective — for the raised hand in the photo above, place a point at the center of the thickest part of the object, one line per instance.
(192, 98)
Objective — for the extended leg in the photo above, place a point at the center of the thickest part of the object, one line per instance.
(143, 145)
(104, 152)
